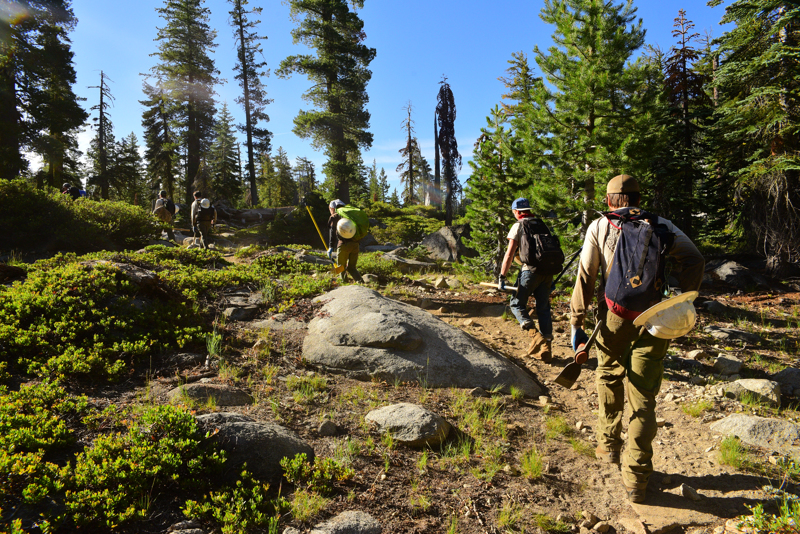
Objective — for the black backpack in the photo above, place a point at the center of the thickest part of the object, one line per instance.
(170, 206)
(538, 248)
(206, 214)
(637, 279)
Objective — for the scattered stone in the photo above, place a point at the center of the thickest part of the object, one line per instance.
(365, 336)
(511, 470)
(660, 421)
(291, 530)
(245, 313)
(765, 390)
(479, 392)
(789, 379)
(425, 303)
(718, 308)
(727, 365)
(697, 354)
(698, 380)
(772, 434)
(564, 518)
(544, 400)
(731, 334)
(447, 243)
(350, 522)
(468, 322)
(410, 424)
(186, 527)
(328, 428)
(440, 283)
(186, 359)
(689, 493)
(453, 283)
(222, 394)
(371, 278)
(407, 265)
(579, 425)
(601, 527)
(669, 397)
(590, 517)
(261, 445)
(738, 276)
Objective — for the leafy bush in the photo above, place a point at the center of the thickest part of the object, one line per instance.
(47, 217)
(239, 509)
(116, 479)
(373, 263)
(318, 477)
(77, 319)
(31, 425)
(406, 229)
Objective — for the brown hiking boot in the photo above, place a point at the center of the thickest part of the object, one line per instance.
(636, 495)
(539, 347)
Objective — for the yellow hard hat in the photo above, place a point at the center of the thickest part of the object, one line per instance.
(670, 318)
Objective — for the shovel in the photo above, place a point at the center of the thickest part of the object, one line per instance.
(572, 371)
(507, 289)
(336, 268)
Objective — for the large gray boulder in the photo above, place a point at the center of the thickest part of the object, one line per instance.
(773, 434)
(447, 243)
(261, 445)
(350, 522)
(789, 379)
(738, 276)
(410, 424)
(765, 391)
(365, 335)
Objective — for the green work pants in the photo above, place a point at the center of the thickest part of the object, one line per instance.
(205, 233)
(627, 350)
(347, 255)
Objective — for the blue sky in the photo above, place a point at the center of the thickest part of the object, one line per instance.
(417, 42)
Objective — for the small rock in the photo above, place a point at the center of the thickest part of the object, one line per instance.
(660, 421)
(544, 400)
(601, 527)
(563, 518)
(697, 380)
(444, 309)
(579, 425)
(669, 397)
(479, 392)
(511, 470)
(328, 428)
(468, 322)
(773, 460)
(425, 304)
(697, 354)
(260, 345)
(183, 525)
(690, 493)
(709, 449)
(590, 517)
(440, 283)
(727, 365)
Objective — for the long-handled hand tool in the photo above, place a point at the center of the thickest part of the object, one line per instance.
(572, 371)
(506, 289)
(336, 268)
(553, 285)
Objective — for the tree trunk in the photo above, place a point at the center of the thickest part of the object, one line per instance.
(10, 157)
(437, 176)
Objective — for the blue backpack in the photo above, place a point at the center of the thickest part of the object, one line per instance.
(637, 279)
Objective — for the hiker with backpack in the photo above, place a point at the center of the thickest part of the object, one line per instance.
(539, 252)
(204, 216)
(164, 211)
(628, 249)
(347, 225)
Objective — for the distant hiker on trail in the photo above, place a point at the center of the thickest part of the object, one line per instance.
(204, 216)
(344, 233)
(71, 190)
(164, 211)
(628, 249)
(532, 245)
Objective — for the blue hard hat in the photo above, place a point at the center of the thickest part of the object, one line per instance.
(521, 204)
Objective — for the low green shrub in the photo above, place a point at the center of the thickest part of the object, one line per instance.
(47, 217)
(116, 480)
(406, 229)
(240, 509)
(373, 263)
(32, 424)
(319, 477)
(87, 320)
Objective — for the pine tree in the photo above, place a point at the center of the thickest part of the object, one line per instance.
(105, 137)
(187, 74)
(759, 115)
(35, 58)
(266, 179)
(223, 160)
(285, 192)
(594, 109)
(394, 199)
(55, 106)
(254, 96)
(161, 146)
(339, 75)
(305, 176)
(491, 189)
(425, 178)
(407, 166)
(127, 173)
(446, 138)
(374, 188)
(383, 186)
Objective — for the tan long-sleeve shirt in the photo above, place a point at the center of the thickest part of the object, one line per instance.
(598, 253)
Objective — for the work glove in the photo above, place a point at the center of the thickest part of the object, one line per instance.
(330, 253)
(578, 337)
(501, 282)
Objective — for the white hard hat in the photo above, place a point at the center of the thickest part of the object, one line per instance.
(670, 318)
(346, 228)
(205, 203)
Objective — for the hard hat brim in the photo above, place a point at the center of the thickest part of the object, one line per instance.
(689, 296)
